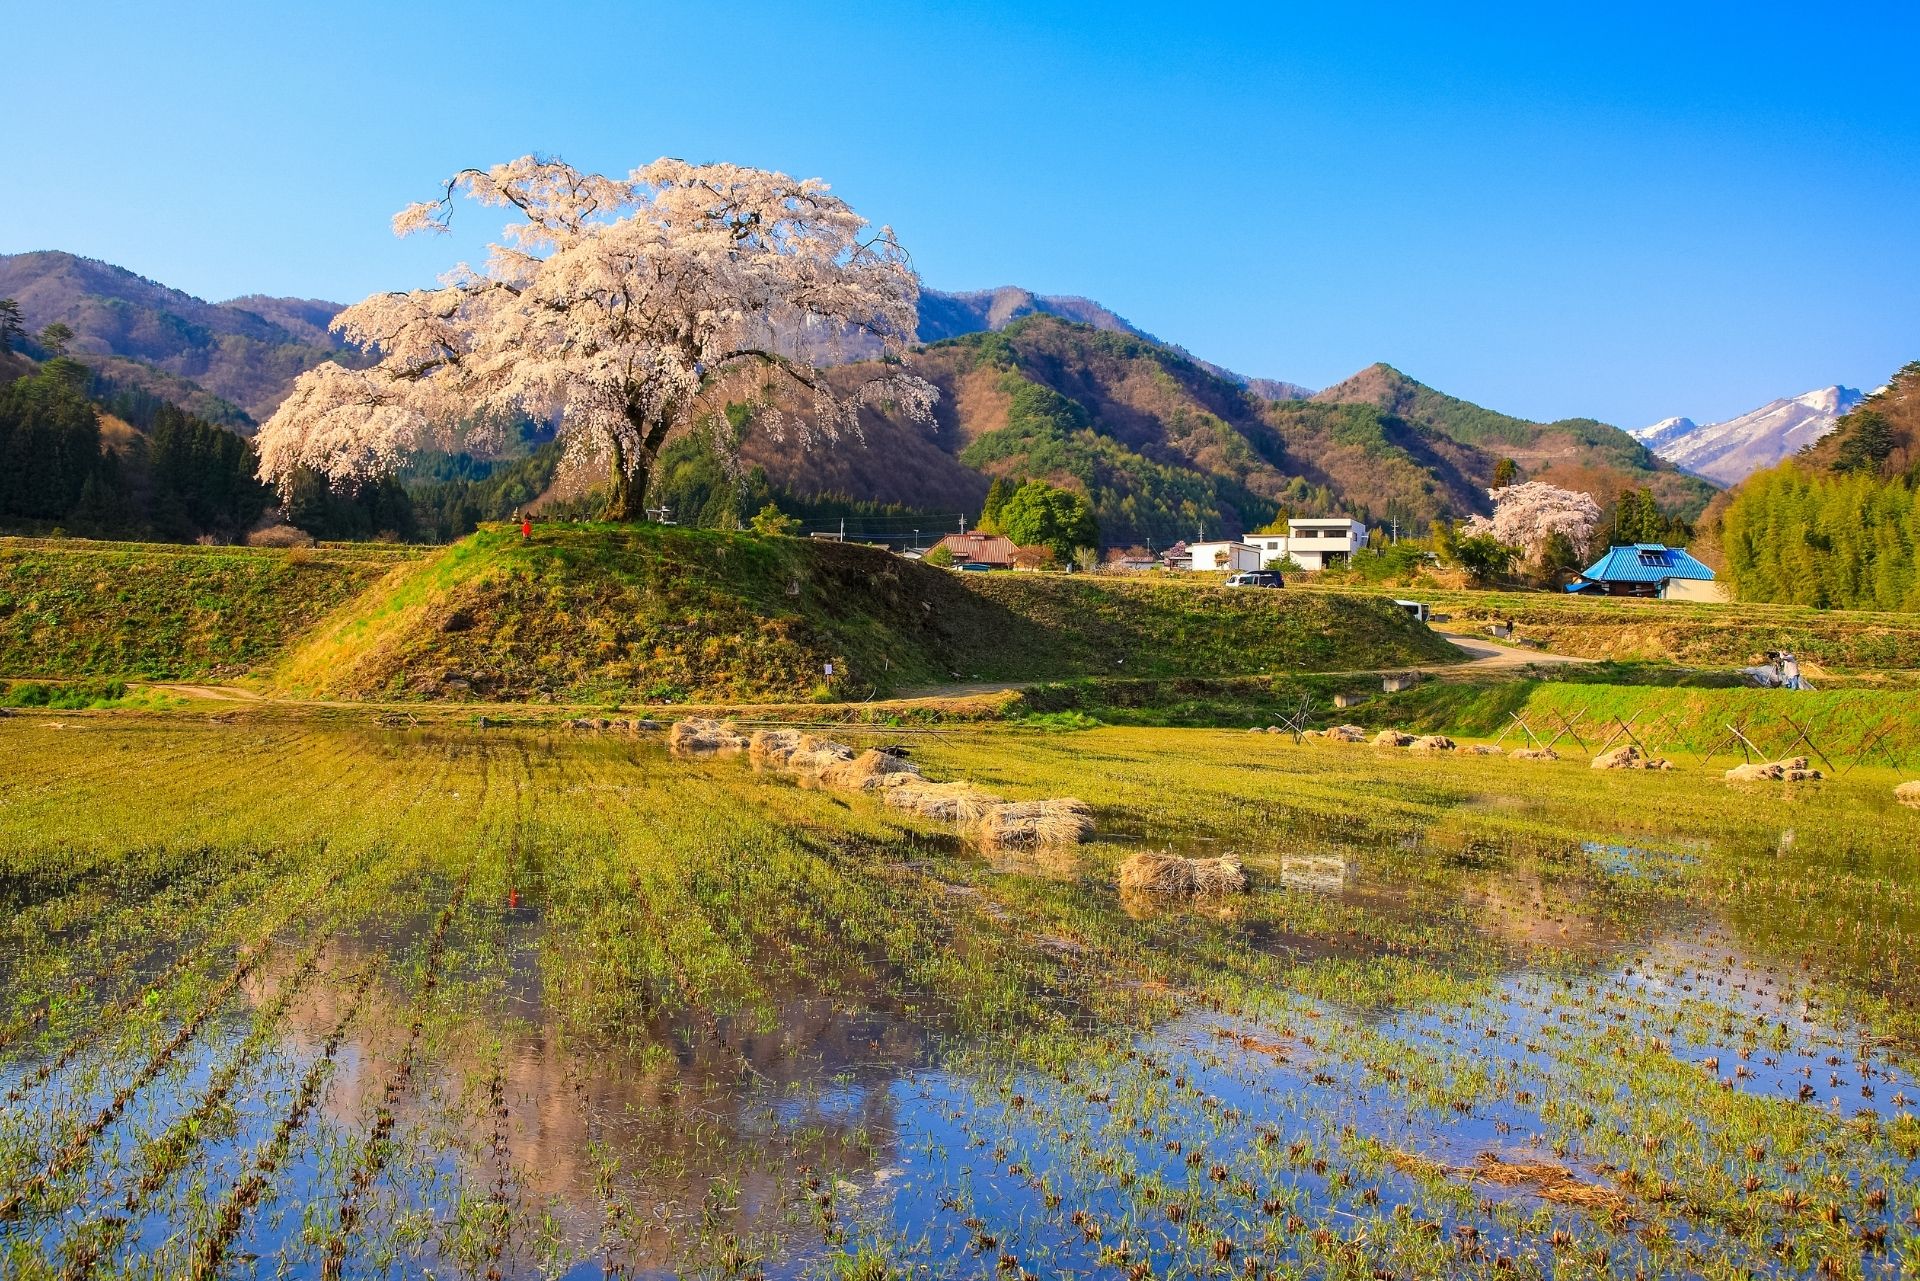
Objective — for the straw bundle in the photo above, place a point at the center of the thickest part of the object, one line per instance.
(1431, 743)
(1029, 824)
(1534, 754)
(868, 771)
(953, 802)
(1908, 793)
(1792, 770)
(698, 734)
(1628, 757)
(1392, 738)
(1171, 876)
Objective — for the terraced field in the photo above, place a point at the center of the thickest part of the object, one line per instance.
(289, 999)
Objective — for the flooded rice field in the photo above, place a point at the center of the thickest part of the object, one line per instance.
(286, 1000)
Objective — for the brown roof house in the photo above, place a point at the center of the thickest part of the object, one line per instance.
(979, 548)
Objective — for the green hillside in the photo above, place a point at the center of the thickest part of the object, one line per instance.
(649, 612)
(71, 608)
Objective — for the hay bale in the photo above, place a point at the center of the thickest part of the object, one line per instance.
(1480, 749)
(700, 735)
(1431, 743)
(1029, 824)
(1908, 793)
(1346, 734)
(817, 755)
(1628, 757)
(1171, 876)
(868, 771)
(1794, 769)
(1392, 738)
(1535, 754)
(951, 802)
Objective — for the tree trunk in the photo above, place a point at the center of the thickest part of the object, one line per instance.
(626, 489)
(629, 474)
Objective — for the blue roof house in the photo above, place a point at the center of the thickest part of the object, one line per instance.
(1649, 569)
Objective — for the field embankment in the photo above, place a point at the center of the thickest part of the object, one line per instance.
(1729, 635)
(585, 613)
(71, 608)
(1689, 717)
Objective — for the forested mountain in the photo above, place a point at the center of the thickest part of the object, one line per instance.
(1032, 386)
(1167, 448)
(1839, 523)
(1574, 453)
(143, 334)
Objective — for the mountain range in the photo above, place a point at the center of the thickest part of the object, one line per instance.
(1728, 452)
(1032, 385)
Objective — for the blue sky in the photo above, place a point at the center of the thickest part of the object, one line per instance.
(1619, 211)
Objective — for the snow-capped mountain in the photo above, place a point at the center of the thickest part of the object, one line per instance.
(1665, 432)
(1728, 452)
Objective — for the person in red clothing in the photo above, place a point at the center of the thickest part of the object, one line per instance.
(526, 528)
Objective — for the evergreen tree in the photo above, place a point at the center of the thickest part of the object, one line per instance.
(997, 494)
(12, 328)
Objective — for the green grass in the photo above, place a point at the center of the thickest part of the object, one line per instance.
(565, 1004)
(125, 610)
(589, 613)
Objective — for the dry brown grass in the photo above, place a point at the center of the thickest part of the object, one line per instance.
(870, 770)
(697, 735)
(1171, 876)
(1629, 757)
(1545, 1179)
(1793, 770)
(1029, 824)
(956, 802)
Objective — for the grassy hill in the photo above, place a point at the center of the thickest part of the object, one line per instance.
(71, 608)
(647, 612)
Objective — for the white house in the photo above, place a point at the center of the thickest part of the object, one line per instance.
(1313, 544)
(1232, 557)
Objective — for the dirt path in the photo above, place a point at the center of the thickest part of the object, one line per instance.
(1482, 655)
(1490, 654)
(216, 693)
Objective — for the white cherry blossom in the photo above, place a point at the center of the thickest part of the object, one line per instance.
(622, 309)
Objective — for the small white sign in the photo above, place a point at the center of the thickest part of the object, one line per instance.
(829, 669)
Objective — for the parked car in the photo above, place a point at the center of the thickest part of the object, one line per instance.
(1257, 578)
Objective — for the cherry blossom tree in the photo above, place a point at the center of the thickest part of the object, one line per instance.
(622, 308)
(1528, 514)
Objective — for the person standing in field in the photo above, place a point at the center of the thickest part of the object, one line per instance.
(526, 528)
